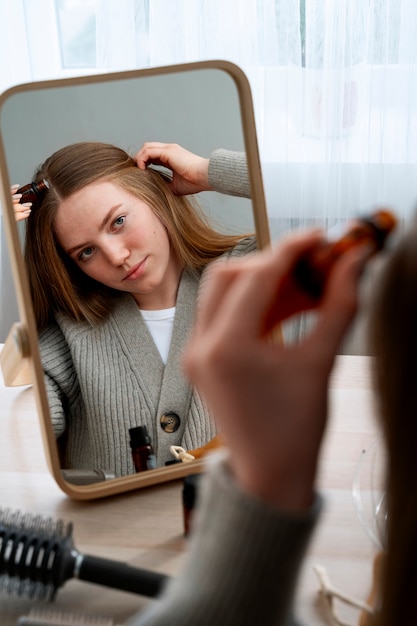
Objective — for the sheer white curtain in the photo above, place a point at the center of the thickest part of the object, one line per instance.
(334, 84)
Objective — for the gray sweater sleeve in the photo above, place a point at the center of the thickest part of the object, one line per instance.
(228, 173)
(242, 564)
(59, 375)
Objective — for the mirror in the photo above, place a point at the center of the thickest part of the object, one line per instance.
(201, 106)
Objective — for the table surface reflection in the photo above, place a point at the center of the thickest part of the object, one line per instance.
(145, 528)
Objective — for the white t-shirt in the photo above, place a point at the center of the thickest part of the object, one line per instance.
(160, 324)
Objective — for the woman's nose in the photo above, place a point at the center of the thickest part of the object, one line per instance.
(117, 253)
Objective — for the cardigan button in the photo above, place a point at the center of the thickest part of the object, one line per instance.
(170, 422)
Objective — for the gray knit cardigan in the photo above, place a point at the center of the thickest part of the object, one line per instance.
(105, 379)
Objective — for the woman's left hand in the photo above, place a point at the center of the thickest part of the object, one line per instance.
(189, 171)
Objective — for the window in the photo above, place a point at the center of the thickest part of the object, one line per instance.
(76, 22)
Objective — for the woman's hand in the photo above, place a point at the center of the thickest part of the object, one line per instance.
(189, 171)
(21, 211)
(269, 399)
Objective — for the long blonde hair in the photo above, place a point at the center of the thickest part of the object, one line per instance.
(57, 284)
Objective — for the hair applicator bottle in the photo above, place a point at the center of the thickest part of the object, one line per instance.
(143, 454)
(312, 270)
(31, 191)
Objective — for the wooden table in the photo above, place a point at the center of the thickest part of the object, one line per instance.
(145, 528)
(340, 543)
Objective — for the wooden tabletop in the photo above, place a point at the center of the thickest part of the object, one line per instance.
(145, 528)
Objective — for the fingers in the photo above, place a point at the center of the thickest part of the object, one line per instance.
(247, 379)
(244, 290)
(153, 152)
(189, 171)
(259, 283)
(21, 211)
(238, 295)
(22, 215)
(340, 300)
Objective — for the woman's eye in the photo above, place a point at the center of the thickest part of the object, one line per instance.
(85, 254)
(119, 221)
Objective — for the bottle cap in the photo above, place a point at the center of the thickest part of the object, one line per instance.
(139, 437)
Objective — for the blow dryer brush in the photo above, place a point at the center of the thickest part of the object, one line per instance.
(37, 556)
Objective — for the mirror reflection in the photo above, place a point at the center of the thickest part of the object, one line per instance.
(124, 222)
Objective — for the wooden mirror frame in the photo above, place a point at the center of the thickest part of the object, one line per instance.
(21, 358)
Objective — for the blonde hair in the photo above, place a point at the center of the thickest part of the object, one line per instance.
(57, 284)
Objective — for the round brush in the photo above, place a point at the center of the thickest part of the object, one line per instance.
(37, 556)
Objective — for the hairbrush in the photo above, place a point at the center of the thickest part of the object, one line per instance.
(46, 617)
(37, 556)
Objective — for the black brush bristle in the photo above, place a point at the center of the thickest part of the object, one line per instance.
(30, 551)
(49, 617)
(37, 556)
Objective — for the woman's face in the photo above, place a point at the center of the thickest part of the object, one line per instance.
(118, 240)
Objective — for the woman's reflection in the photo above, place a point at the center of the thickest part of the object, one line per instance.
(115, 257)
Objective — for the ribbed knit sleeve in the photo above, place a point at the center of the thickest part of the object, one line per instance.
(242, 565)
(228, 173)
(60, 378)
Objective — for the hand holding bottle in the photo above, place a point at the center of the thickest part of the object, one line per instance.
(26, 195)
(21, 211)
(269, 399)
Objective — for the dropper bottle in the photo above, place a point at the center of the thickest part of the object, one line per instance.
(312, 270)
(143, 454)
(31, 191)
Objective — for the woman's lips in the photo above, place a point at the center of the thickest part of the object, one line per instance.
(136, 271)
